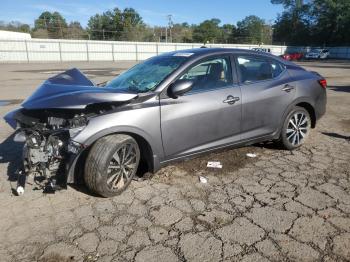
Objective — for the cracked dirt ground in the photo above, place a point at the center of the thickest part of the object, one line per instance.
(279, 206)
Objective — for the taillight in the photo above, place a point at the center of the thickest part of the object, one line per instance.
(323, 83)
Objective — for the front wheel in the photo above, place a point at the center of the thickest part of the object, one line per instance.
(112, 164)
(296, 128)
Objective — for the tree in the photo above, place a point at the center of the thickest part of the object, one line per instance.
(290, 4)
(313, 22)
(53, 23)
(15, 26)
(133, 28)
(130, 18)
(116, 25)
(207, 31)
(106, 26)
(182, 33)
(293, 26)
(228, 32)
(331, 24)
(253, 30)
(75, 31)
(291, 30)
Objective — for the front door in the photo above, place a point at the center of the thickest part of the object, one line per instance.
(208, 116)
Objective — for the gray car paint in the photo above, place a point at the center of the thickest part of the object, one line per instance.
(142, 119)
(197, 122)
(263, 103)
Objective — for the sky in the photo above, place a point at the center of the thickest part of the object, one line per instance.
(153, 12)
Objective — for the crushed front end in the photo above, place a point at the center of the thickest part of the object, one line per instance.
(48, 145)
(49, 120)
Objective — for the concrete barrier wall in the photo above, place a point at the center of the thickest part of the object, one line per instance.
(56, 50)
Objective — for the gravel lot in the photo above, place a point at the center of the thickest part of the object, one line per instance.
(279, 206)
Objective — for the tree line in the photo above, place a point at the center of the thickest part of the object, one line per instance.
(313, 22)
(128, 25)
(302, 22)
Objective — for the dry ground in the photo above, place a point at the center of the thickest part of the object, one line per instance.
(280, 206)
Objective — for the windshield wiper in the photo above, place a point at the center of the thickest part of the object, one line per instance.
(102, 83)
(133, 88)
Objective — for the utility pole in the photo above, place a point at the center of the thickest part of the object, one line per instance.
(59, 23)
(170, 25)
(166, 35)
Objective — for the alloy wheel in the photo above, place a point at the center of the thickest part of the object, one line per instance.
(122, 166)
(297, 128)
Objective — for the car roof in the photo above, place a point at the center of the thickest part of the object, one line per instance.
(212, 50)
(202, 52)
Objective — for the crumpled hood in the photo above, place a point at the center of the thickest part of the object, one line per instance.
(72, 89)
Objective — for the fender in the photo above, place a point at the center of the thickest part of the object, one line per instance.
(74, 159)
(296, 101)
(126, 130)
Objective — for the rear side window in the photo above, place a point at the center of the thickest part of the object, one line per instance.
(254, 68)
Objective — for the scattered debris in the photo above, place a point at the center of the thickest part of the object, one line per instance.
(20, 190)
(21, 181)
(49, 188)
(203, 179)
(214, 164)
(144, 177)
(251, 155)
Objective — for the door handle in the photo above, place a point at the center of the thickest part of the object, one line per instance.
(231, 100)
(287, 88)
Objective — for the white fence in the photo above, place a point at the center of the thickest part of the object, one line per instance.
(53, 50)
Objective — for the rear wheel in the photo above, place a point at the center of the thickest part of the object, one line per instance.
(296, 128)
(112, 164)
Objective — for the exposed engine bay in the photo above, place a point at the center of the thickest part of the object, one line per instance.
(47, 141)
(46, 134)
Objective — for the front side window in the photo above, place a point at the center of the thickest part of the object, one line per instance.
(254, 69)
(210, 74)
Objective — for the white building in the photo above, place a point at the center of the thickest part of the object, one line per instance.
(9, 35)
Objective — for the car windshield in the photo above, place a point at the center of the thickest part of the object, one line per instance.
(146, 76)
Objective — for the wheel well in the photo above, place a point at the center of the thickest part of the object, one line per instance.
(309, 108)
(146, 163)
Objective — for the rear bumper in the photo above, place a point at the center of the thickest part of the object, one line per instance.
(321, 105)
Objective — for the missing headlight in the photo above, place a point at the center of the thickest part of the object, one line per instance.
(74, 131)
(74, 147)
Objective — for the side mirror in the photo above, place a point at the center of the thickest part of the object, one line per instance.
(179, 88)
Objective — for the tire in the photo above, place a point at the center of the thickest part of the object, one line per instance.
(296, 128)
(103, 174)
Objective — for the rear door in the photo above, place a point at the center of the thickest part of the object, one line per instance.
(266, 94)
(208, 116)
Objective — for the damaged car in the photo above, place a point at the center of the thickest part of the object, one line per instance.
(170, 107)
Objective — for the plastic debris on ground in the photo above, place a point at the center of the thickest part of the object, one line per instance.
(203, 179)
(20, 190)
(251, 155)
(214, 164)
